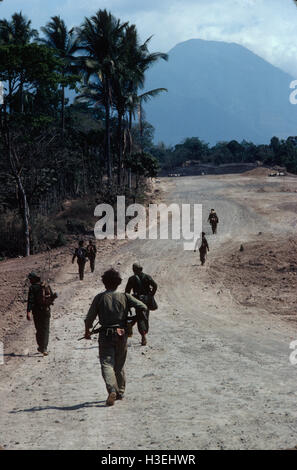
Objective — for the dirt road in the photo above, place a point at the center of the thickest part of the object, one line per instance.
(215, 374)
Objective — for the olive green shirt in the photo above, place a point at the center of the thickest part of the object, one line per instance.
(112, 309)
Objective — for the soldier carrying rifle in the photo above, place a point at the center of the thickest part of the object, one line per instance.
(112, 309)
(40, 299)
(144, 288)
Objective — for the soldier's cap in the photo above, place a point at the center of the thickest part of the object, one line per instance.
(137, 266)
(33, 275)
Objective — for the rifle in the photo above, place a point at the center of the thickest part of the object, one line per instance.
(93, 332)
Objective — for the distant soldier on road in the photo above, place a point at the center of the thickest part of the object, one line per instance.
(40, 299)
(82, 256)
(144, 289)
(203, 249)
(112, 308)
(213, 220)
(92, 252)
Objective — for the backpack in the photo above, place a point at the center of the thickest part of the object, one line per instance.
(147, 298)
(91, 250)
(213, 218)
(81, 254)
(45, 296)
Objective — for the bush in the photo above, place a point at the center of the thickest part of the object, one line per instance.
(43, 234)
(61, 240)
(11, 234)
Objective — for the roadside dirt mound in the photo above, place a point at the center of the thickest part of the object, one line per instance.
(260, 171)
(264, 275)
(263, 171)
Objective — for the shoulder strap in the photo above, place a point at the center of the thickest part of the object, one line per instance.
(128, 308)
(139, 282)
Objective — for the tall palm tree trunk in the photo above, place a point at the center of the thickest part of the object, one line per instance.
(63, 110)
(130, 150)
(107, 133)
(140, 117)
(12, 158)
(120, 147)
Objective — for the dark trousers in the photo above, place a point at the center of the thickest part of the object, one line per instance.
(112, 356)
(142, 320)
(214, 227)
(92, 264)
(202, 256)
(81, 270)
(42, 325)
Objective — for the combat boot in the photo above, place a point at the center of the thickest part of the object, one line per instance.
(143, 340)
(111, 399)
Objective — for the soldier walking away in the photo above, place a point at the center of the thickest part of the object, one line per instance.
(92, 252)
(112, 308)
(203, 249)
(40, 299)
(81, 255)
(144, 289)
(213, 220)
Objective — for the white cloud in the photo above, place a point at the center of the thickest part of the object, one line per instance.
(267, 27)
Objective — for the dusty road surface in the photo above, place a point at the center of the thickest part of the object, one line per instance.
(216, 372)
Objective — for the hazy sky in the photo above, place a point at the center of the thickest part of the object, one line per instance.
(267, 27)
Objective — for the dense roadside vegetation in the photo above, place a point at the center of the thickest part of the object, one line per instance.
(59, 158)
(277, 152)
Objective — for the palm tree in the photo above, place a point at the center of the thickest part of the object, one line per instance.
(100, 39)
(142, 60)
(65, 44)
(17, 32)
(130, 77)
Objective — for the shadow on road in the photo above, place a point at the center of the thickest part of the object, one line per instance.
(36, 355)
(88, 404)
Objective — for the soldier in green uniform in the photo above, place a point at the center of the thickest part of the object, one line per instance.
(112, 308)
(143, 287)
(82, 256)
(40, 298)
(203, 249)
(92, 252)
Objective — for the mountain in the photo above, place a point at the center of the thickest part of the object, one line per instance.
(219, 91)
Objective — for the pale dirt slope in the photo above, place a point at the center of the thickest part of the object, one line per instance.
(216, 373)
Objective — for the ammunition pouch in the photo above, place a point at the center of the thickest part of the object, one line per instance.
(112, 331)
(148, 300)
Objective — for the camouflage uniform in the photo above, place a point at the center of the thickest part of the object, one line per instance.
(41, 314)
(142, 285)
(112, 309)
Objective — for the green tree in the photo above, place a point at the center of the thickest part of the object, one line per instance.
(65, 44)
(27, 68)
(17, 32)
(138, 60)
(100, 39)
